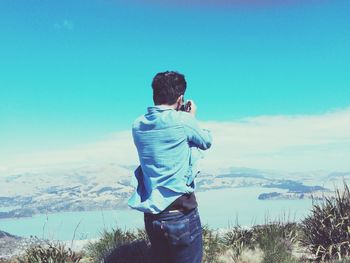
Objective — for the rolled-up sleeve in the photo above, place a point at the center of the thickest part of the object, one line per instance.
(196, 136)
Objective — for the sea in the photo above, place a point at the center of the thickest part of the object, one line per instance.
(219, 209)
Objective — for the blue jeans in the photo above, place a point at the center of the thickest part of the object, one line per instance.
(175, 237)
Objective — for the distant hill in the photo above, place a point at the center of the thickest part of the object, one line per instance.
(107, 186)
(4, 234)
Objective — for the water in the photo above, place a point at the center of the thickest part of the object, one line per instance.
(218, 208)
(224, 208)
(8, 208)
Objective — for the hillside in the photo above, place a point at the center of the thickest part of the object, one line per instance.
(107, 186)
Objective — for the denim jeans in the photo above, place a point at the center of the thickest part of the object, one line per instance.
(176, 237)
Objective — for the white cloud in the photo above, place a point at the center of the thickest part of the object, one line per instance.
(116, 147)
(294, 143)
(297, 143)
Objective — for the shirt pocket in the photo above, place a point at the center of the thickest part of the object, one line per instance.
(177, 232)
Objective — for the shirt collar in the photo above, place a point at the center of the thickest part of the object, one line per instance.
(159, 108)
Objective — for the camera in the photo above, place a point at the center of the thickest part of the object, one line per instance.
(186, 106)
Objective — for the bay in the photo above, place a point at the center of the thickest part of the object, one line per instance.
(221, 208)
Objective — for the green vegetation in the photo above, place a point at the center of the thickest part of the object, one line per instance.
(49, 253)
(327, 230)
(212, 245)
(272, 242)
(124, 246)
(323, 236)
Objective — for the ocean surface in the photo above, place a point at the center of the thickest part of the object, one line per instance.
(218, 208)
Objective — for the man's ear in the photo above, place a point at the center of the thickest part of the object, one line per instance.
(179, 102)
(180, 99)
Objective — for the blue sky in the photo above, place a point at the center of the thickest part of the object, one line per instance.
(74, 71)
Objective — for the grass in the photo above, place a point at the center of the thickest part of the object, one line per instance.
(323, 236)
(119, 244)
(326, 232)
(272, 243)
(51, 252)
(212, 245)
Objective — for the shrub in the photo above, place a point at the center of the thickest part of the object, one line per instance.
(119, 245)
(275, 240)
(272, 243)
(327, 229)
(49, 253)
(126, 246)
(238, 239)
(212, 245)
(276, 248)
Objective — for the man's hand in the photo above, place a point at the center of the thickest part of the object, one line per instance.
(193, 108)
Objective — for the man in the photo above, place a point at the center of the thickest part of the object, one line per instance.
(168, 140)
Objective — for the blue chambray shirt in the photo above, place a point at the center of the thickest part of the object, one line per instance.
(169, 144)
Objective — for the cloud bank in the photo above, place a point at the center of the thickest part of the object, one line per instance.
(294, 143)
(288, 143)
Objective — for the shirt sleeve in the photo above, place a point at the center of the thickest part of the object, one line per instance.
(196, 136)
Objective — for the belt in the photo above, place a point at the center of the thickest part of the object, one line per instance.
(175, 211)
(165, 212)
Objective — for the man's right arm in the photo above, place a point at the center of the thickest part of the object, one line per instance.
(196, 136)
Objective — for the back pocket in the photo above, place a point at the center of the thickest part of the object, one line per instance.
(177, 232)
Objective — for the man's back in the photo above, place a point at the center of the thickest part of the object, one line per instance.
(167, 142)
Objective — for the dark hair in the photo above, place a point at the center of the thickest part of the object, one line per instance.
(167, 87)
